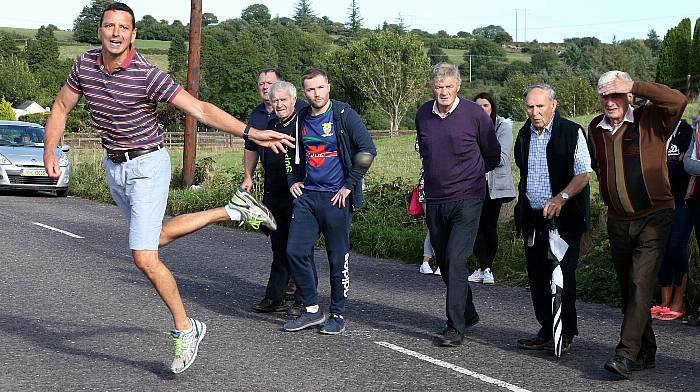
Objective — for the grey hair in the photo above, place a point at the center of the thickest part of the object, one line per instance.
(611, 75)
(542, 86)
(282, 86)
(442, 71)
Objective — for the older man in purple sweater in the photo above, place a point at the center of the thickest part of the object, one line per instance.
(458, 145)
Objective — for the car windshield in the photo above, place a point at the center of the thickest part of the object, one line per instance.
(21, 135)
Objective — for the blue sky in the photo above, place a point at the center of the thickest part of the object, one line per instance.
(544, 20)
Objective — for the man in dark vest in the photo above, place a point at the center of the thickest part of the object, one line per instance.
(554, 163)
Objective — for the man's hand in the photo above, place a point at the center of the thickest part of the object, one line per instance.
(553, 207)
(247, 184)
(296, 189)
(53, 169)
(339, 198)
(619, 85)
(275, 140)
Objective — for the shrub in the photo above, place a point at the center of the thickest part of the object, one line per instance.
(6, 112)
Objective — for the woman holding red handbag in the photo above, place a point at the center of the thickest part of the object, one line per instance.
(428, 253)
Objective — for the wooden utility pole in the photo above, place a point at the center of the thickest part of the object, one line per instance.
(189, 152)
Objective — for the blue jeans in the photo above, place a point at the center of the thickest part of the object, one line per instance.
(675, 263)
(313, 213)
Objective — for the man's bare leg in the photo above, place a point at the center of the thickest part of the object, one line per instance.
(182, 225)
(164, 283)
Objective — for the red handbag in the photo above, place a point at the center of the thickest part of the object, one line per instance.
(415, 209)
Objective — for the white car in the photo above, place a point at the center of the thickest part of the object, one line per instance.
(22, 159)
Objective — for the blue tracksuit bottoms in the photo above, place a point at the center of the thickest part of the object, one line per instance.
(313, 214)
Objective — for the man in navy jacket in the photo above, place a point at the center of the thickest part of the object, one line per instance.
(337, 151)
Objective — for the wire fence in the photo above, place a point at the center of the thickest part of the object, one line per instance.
(205, 140)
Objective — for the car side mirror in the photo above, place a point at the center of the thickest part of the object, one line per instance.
(65, 148)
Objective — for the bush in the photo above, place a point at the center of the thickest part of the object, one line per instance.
(6, 112)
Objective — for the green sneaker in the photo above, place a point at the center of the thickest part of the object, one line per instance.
(186, 345)
(254, 213)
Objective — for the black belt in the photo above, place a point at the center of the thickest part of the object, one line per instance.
(121, 156)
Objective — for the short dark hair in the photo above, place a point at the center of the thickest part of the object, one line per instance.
(275, 71)
(488, 97)
(312, 73)
(118, 7)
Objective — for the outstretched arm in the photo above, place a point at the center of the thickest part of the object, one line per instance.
(216, 118)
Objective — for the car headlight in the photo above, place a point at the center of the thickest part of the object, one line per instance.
(63, 160)
(4, 161)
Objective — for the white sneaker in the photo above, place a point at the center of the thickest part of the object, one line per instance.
(487, 277)
(437, 271)
(425, 268)
(186, 345)
(477, 276)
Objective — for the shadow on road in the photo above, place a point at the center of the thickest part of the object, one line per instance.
(41, 335)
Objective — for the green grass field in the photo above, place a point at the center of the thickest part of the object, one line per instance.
(61, 36)
(72, 51)
(456, 56)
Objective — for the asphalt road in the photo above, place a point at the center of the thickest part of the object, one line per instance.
(75, 314)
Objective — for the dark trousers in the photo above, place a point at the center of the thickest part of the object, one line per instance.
(675, 263)
(280, 271)
(539, 272)
(452, 227)
(313, 213)
(637, 247)
(486, 244)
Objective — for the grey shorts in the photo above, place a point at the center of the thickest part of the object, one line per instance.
(140, 187)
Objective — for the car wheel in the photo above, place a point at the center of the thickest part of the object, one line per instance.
(62, 193)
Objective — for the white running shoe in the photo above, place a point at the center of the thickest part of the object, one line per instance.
(253, 212)
(487, 277)
(186, 345)
(477, 276)
(437, 271)
(425, 268)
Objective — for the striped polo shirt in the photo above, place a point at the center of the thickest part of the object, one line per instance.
(123, 104)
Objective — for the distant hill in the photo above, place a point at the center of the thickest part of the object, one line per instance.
(66, 38)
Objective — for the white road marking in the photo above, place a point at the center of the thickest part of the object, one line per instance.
(69, 234)
(456, 368)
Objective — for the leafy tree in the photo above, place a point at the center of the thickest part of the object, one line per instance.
(17, 83)
(209, 19)
(256, 13)
(301, 50)
(86, 24)
(575, 95)
(510, 102)
(442, 34)
(694, 66)
(485, 48)
(354, 23)
(176, 29)
(545, 59)
(6, 112)
(42, 51)
(50, 79)
(493, 32)
(304, 16)
(437, 55)
(231, 62)
(653, 42)
(390, 70)
(8, 46)
(464, 34)
(633, 56)
(177, 59)
(672, 66)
